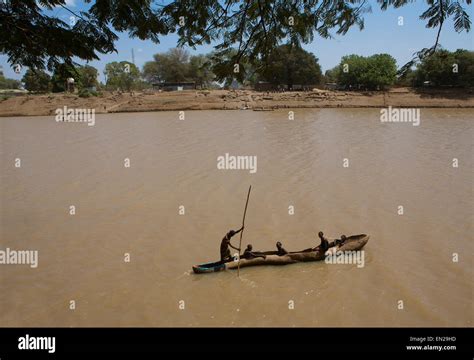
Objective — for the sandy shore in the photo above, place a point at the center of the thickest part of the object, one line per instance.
(109, 102)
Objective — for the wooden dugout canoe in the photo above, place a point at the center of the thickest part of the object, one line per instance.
(352, 243)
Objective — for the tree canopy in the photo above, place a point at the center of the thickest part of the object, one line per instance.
(84, 76)
(122, 75)
(60, 74)
(177, 66)
(373, 72)
(88, 76)
(33, 36)
(36, 81)
(446, 68)
(289, 65)
(171, 66)
(6, 83)
(200, 70)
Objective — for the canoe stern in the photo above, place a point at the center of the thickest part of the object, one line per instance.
(208, 268)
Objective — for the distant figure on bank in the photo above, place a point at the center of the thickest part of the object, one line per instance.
(249, 254)
(281, 250)
(225, 251)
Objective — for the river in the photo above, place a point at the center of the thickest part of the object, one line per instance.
(418, 266)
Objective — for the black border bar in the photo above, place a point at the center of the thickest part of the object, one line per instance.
(227, 341)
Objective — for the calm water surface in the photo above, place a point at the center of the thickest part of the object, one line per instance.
(135, 210)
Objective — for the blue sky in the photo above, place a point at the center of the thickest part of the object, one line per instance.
(382, 34)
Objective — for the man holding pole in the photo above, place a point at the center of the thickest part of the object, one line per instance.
(225, 251)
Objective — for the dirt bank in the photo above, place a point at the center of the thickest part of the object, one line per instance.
(27, 105)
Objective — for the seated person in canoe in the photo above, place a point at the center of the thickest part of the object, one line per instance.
(281, 250)
(340, 241)
(249, 254)
(324, 245)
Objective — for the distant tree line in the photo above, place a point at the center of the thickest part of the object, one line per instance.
(286, 66)
(442, 68)
(120, 75)
(85, 79)
(6, 83)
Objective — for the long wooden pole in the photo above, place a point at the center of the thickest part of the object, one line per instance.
(242, 232)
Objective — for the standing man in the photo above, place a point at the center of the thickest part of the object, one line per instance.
(225, 251)
(324, 242)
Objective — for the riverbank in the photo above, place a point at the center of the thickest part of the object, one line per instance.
(112, 102)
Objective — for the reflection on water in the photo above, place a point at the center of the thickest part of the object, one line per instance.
(300, 163)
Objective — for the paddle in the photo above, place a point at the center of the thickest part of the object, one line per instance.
(242, 232)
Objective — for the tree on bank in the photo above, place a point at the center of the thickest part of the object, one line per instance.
(85, 77)
(331, 75)
(33, 36)
(445, 68)
(171, 66)
(177, 65)
(122, 75)
(200, 70)
(227, 70)
(6, 83)
(88, 76)
(290, 65)
(372, 73)
(37, 81)
(60, 75)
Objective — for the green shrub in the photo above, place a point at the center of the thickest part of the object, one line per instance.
(84, 93)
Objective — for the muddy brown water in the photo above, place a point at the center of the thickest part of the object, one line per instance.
(173, 163)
